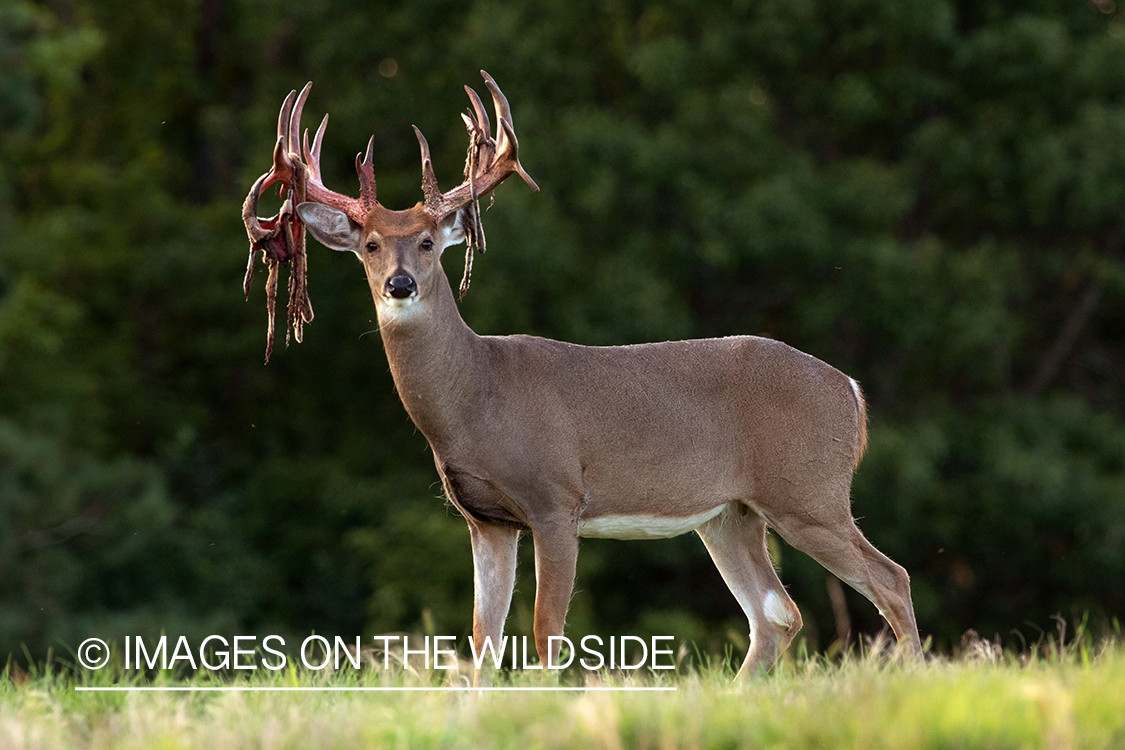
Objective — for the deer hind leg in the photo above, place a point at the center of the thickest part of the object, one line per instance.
(840, 546)
(736, 540)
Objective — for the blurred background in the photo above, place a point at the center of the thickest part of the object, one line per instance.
(928, 195)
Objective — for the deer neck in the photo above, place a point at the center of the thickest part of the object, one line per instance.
(436, 362)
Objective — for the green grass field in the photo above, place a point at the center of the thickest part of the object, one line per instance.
(1072, 697)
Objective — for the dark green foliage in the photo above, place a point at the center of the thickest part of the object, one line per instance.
(927, 195)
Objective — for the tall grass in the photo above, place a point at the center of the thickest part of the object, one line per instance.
(1054, 695)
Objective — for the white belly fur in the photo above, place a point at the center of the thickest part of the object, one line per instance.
(644, 527)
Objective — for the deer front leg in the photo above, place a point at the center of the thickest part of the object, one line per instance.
(556, 554)
(494, 577)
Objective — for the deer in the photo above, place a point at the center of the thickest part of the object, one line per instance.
(726, 437)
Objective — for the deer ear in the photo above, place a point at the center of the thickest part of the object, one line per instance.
(331, 227)
(452, 229)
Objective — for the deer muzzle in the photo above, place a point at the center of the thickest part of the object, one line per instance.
(401, 286)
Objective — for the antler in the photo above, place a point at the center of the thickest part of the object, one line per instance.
(281, 238)
(296, 165)
(488, 163)
(287, 162)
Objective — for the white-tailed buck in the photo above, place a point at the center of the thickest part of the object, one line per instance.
(726, 437)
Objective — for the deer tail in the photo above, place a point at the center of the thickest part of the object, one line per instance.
(861, 409)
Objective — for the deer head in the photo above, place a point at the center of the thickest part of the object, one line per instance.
(399, 249)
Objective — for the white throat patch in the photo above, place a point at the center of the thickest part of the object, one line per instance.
(394, 310)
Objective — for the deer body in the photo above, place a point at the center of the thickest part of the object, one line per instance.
(659, 431)
(721, 436)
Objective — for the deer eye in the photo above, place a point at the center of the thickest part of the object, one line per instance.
(372, 247)
(427, 245)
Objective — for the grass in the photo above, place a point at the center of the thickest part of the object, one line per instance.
(1056, 698)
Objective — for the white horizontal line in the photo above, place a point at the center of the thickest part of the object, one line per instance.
(232, 689)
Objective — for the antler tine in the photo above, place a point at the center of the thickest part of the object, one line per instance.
(283, 116)
(481, 120)
(282, 170)
(506, 131)
(510, 132)
(312, 156)
(366, 171)
(503, 110)
(287, 143)
(424, 145)
(250, 218)
(369, 157)
(470, 124)
(431, 193)
(293, 134)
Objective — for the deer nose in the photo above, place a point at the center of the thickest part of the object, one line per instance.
(401, 286)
